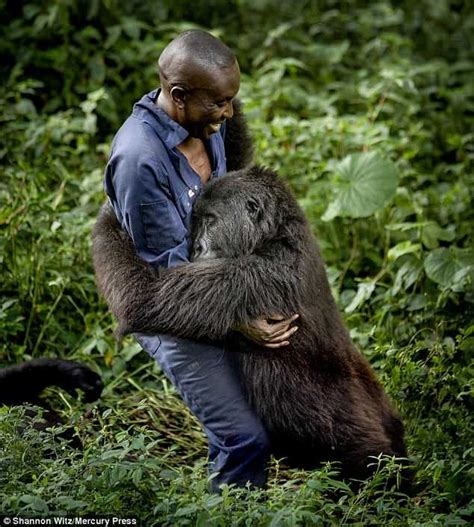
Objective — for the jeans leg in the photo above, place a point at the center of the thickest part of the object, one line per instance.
(207, 378)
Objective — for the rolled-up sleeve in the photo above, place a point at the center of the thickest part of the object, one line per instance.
(137, 185)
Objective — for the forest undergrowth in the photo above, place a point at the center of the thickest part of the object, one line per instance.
(366, 109)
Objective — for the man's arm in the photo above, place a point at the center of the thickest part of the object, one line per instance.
(137, 185)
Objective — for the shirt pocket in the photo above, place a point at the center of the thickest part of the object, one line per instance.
(162, 225)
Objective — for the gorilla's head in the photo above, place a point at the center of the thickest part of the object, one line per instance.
(235, 214)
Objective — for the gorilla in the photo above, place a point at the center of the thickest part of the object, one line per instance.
(23, 383)
(254, 255)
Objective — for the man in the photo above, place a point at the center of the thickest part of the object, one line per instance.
(164, 153)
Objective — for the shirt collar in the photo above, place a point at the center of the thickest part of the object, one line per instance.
(169, 131)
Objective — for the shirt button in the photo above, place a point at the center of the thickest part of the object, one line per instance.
(196, 187)
(190, 193)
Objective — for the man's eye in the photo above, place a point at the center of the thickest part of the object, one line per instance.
(221, 103)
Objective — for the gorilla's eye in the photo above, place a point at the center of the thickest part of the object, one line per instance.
(253, 208)
(210, 220)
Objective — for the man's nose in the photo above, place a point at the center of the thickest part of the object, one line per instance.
(229, 111)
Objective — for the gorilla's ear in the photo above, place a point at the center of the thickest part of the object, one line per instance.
(254, 208)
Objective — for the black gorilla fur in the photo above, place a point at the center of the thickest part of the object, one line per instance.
(23, 383)
(238, 141)
(318, 397)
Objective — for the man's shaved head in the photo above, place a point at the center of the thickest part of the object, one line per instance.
(199, 77)
(188, 54)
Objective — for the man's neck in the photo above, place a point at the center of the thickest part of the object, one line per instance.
(195, 152)
(164, 103)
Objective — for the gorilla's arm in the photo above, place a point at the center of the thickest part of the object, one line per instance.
(23, 383)
(238, 141)
(200, 300)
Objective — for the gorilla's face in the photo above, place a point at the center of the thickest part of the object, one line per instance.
(229, 219)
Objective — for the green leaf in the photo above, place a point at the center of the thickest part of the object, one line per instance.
(187, 510)
(366, 183)
(406, 247)
(213, 501)
(35, 503)
(364, 292)
(452, 268)
(137, 476)
(407, 275)
(432, 232)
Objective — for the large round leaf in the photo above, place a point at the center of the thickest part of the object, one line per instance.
(366, 182)
(453, 268)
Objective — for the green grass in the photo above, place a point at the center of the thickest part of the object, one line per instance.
(321, 84)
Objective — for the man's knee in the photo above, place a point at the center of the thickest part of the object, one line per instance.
(259, 440)
(251, 440)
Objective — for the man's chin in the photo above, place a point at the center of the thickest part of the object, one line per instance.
(210, 129)
(206, 131)
(213, 128)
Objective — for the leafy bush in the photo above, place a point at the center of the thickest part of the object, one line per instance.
(366, 109)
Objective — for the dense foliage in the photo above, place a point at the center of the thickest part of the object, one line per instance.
(366, 109)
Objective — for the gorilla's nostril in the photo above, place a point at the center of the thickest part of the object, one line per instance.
(200, 249)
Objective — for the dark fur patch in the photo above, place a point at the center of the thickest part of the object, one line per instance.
(238, 141)
(23, 383)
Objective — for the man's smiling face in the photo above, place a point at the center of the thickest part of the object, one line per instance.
(209, 103)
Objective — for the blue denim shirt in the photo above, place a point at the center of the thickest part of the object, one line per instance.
(151, 184)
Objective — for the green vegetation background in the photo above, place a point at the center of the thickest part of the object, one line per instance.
(322, 80)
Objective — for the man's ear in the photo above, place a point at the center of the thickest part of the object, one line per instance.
(178, 94)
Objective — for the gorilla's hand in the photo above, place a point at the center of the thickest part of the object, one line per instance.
(272, 332)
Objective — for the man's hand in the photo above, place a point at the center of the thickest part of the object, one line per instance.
(272, 332)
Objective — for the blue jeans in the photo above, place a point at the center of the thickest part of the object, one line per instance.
(207, 378)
